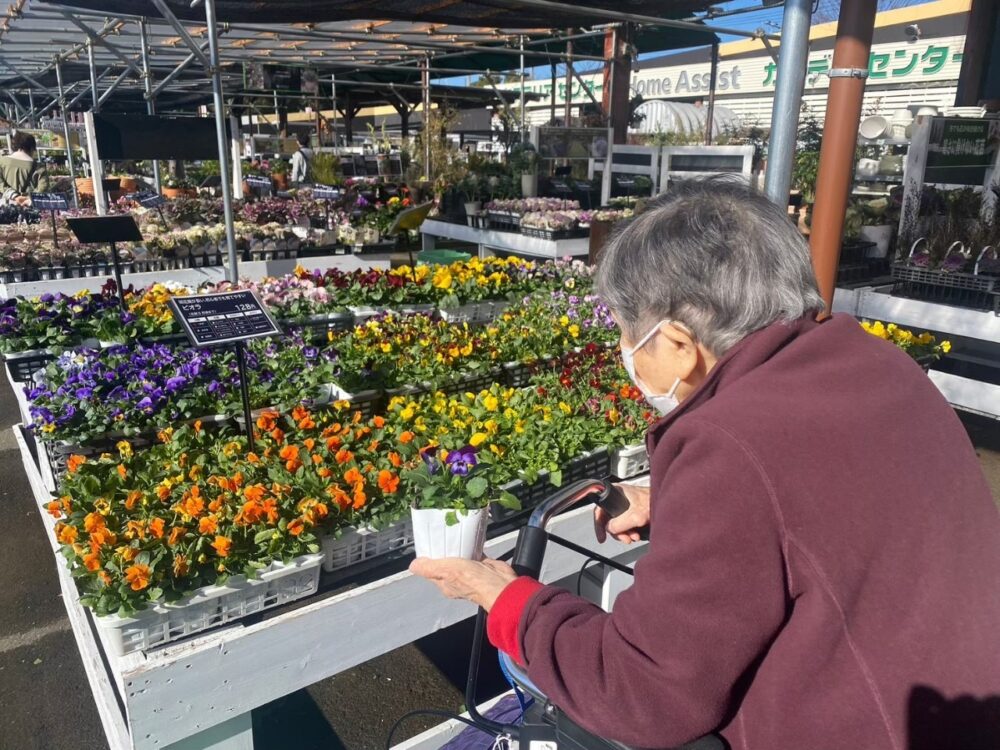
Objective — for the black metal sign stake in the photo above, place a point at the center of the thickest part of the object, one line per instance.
(227, 318)
(241, 364)
(96, 230)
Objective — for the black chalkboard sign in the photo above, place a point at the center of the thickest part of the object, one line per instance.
(224, 317)
(961, 150)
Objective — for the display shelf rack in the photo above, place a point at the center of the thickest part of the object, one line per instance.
(198, 694)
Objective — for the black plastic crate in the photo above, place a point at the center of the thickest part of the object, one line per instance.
(471, 383)
(519, 374)
(369, 403)
(594, 465)
(975, 291)
(319, 326)
(855, 252)
(24, 365)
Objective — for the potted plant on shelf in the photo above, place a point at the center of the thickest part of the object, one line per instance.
(471, 189)
(876, 225)
(279, 175)
(451, 510)
(178, 187)
(524, 160)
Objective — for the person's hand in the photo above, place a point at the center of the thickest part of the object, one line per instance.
(479, 582)
(625, 528)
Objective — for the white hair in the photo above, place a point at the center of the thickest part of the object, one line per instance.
(713, 255)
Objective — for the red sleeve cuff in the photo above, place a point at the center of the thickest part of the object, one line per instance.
(505, 618)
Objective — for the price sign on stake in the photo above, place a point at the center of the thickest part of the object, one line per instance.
(227, 318)
(223, 318)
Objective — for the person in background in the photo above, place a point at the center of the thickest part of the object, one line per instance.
(19, 174)
(300, 162)
(823, 567)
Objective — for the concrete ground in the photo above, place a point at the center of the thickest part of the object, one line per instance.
(45, 701)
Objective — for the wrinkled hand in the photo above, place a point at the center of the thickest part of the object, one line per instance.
(479, 582)
(625, 528)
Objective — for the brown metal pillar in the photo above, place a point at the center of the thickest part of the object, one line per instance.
(975, 58)
(848, 72)
(617, 77)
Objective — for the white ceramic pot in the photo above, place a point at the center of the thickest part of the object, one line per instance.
(529, 185)
(927, 111)
(881, 235)
(874, 127)
(867, 167)
(434, 538)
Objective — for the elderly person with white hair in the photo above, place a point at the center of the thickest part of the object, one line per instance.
(824, 551)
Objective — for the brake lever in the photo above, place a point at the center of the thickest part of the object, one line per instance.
(615, 503)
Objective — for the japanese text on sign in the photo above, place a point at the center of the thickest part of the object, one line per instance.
(222, 318)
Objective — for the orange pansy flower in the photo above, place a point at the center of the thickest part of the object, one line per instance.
(135, 529)
(74, 462)
(379, 422)
(406, 437)
(290, 455)
(296, 527)
(133, 497)
(278, 435)
(360, 498)
(208, 525)
(395, 459)
(180, 566)
(156, 528)
(353, 476)
(101, 537)
(343, 456)
(193, 503)
(66, 534)
(341, 498)
(121, 471)
(253, 458)
(54, 509)
(373, 446)
(137, 576)
(92, 562)
(176, 534)
(324, 472)
(267, 421)
(309, 444)
(388, 482)
(333, 443)
(316, 459)
(222, 545)
(93, 521)
(254, 492)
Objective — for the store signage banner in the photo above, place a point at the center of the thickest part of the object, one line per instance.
(922, 62)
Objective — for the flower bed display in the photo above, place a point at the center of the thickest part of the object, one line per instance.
(924, 348)
(160, 530)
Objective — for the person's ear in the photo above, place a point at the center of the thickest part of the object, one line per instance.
(683, 349)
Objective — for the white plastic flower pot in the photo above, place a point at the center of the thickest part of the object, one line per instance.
(434, 538)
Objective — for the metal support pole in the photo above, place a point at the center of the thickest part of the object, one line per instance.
(333, 97)
(147, 82)
(848, 71)
(523, 113)
(787, 98)
(425, 84)
(710, 112)
(69, 143)
(31, 108)
(113, 87)
(171, 19)
(93, 77)
(569, 82)
(552, 98)
(220, 131)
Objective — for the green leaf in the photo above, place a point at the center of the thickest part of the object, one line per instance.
(509, 501)
(155, 594)
(476, 487)
(555, 478)
(263, 536)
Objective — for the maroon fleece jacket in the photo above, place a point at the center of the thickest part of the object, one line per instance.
(824, 555)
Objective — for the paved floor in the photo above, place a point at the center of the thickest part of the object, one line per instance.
(45, 703)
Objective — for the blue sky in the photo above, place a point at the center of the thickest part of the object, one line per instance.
(752, 18)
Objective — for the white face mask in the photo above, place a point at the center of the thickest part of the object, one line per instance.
(662, 402)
